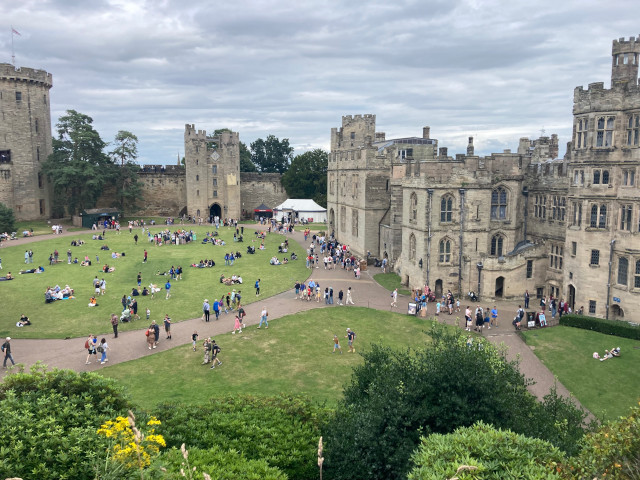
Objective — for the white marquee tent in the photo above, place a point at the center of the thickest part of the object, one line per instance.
(299, 209)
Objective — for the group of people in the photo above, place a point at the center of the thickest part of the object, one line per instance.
(614, 352)
(484, 318)
(52, 294)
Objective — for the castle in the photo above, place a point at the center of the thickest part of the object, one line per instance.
(508, 222)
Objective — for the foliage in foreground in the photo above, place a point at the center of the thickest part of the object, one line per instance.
(484, 452)
(397, 397)
(284, 431)
(613, 451)
(7, 219)
(49, 422)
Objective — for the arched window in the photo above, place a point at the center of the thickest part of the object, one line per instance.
(412, 247)
(499, 203)
(446, 208)
(497, 245)
(197, 178)
(445, 250)
(636, 277)
(605, 177)
(594, 216)
(198, 212)
(603, 217)
(413, 207)
(623, 270)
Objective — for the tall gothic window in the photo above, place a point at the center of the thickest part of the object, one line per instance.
(445, 250)
(633, 130)
(446, 208)
(623, 270)
(499, 203)
(497, 245)
(603, 217)
(412, 247)
(413, 207)
(604, 133)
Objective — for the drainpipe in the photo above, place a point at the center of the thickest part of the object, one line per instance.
(611, 245)
(430, 203)
(525, 192)
(462, 191)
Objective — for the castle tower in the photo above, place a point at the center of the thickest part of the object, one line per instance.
(625, 56)
(212, 173)
(25, 140)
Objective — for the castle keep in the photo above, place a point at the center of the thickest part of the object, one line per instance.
(25, 140)
(508, 222)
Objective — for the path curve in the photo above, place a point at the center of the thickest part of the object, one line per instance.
(130, 345)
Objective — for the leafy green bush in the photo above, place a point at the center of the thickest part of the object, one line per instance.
(219, 463)
(609, 327)
(396, 397)
(483, 452)
(7, 219)
(49, 423)
(613, 451)
(284, 431)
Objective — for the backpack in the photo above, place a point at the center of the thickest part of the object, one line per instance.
(100, 348)
(147, 332)
(86, 345)
(3, 346)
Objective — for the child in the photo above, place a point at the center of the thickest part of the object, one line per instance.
(336, 344)
(194, 338)
(148, 313)
(237, 326)
(438, 308)
(102, 348)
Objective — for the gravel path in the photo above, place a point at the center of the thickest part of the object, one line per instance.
(70, 353)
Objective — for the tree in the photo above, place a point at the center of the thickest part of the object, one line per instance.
(396, 397)
(272, 155)
(482, 451)
(7, 219)
(78, 168)
(128, 187)
(307, 176)
(246, 165)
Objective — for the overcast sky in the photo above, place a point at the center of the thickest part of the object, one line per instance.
(495, 70)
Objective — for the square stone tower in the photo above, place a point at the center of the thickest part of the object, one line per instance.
(25, 140)
(212, 173)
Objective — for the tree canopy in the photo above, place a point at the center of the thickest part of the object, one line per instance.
(246, 165)
(307, 176)
(78, 167)
(271, 155)
(7, 219)
(128, 187)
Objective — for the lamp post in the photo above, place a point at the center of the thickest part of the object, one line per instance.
(479, 265)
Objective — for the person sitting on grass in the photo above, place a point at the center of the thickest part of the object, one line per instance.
(104, 247)
(7, 277)
(134, 292)
(93, 302)
(24, 321)
(145, 292)
(274, 261)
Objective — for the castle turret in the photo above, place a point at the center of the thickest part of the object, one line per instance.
(25, 140)
(470, 149)
(625, 56)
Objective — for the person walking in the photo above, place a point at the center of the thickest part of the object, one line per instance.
(167, 326)
(26, 256)
(494, 317)
(263, 317)
(102, 349)
(6, 348)
(207, 351)
(206, 310)
(144, 260)
(394, 298)
(150, 337)
(257, 287)
(69, 255)
(167, 287)
(351, 336)
(156, 333)
(216, 308)
(336, 344)
(139, 278)
(349, 298)
(90, 345)
(114, 324)
(215, 351)
(340, 297)
(237, 326)
(194, 339)
(103, 286)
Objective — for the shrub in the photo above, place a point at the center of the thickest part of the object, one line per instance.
(609, 327)
(396, 397)
(284, 431)
(49, 423)
(218, 463)
(613, 451)
(7, 219)
(483, 452)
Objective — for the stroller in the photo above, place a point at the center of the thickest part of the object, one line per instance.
(473, 296)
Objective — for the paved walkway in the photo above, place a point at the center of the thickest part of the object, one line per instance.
(366, 293)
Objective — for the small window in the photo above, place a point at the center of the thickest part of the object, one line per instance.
(592, 307)
(529, 268)
(18, 96)
(445, 251)
(412, 247)
(539, 292)
(595, 257)
(623, 270)
(197, 178)
(5, 156)
(40, 180)
(605, 177)
(214, 169)
(215, 182)
(574, 248)
(636, 277)
(446, 208)
(628, 178)
(497, 244)
(413, 208)
(215, 193)
(353, 135)
(603, 217)
(42, 209)
(197, 193)
(596, 177)
(625, 217)
(36, 125)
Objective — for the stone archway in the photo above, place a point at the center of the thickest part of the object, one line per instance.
(438, 289)
(572, 298)
(617, 313)
(499, 293)
(215, 211)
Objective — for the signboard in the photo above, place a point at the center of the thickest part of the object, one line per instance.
(616, 299)
(413, 309)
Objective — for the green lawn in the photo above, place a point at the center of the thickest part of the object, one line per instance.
(293, 357)
(606, 388)
(391, 281)
(71, 318)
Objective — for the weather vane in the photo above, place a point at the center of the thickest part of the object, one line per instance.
(14, 32)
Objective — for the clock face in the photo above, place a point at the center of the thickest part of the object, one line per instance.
(215, 156)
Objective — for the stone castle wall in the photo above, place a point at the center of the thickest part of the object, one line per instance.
(259, 188)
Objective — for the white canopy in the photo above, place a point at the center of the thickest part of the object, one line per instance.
(303, 208)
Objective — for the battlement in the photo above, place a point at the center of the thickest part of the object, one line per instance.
(164, 169)
(368, 119)
(623, 44)
(24, 74)
(191, 132)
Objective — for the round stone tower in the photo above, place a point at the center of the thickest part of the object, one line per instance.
(625, 56)
(25, 140)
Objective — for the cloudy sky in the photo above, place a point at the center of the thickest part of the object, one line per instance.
(495, 70)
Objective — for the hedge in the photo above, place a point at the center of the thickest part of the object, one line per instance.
(609, 327)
